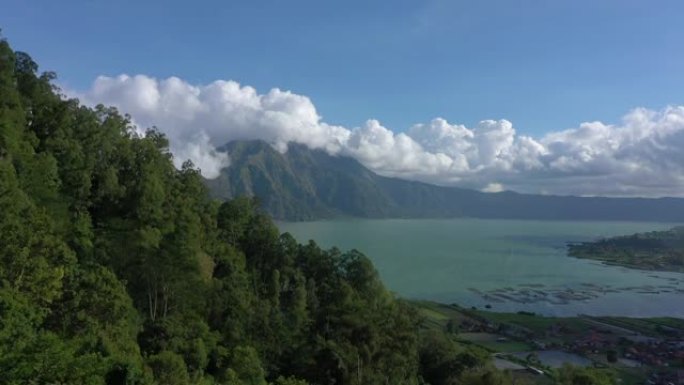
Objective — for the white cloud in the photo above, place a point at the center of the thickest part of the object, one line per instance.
(388, 153)
(641, 156)
(493, 188)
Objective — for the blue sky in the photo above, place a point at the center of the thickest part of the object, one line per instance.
(545, 65)
(560, 97)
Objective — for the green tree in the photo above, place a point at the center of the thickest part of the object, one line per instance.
(168, 368)
(573, 375)
(485, 376)
(289, 381)
(245, 363)
(33, 259)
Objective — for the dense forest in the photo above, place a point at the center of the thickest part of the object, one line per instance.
(118, 268)
(304, 184)
(655, 250)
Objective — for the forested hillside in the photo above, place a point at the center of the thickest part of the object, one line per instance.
(311, 184)
(117, 268)
(655, 250)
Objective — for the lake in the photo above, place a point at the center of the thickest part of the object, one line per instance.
(508, 265)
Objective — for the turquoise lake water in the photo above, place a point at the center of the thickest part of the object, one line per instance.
(508, 265)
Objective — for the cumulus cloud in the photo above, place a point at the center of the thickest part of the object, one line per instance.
(198, 119)
(640, 156)
(493, 188)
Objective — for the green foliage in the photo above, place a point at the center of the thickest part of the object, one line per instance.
(31, 354)
(247, 367)
(169, 368)
(442, 361)
(485, 376)
(33, 260)
(573, 375)
(289, 381)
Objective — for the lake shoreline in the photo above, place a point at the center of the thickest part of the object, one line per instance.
(444, 260)
(653, 250)
(632, 266)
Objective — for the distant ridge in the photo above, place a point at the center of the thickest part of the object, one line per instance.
(305, 184)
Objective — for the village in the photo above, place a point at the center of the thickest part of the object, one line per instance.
(640, 351)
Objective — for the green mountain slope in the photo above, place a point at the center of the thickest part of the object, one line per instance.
(309, 184)
(301, 184)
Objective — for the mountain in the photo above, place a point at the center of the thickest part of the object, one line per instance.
(311, 184)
